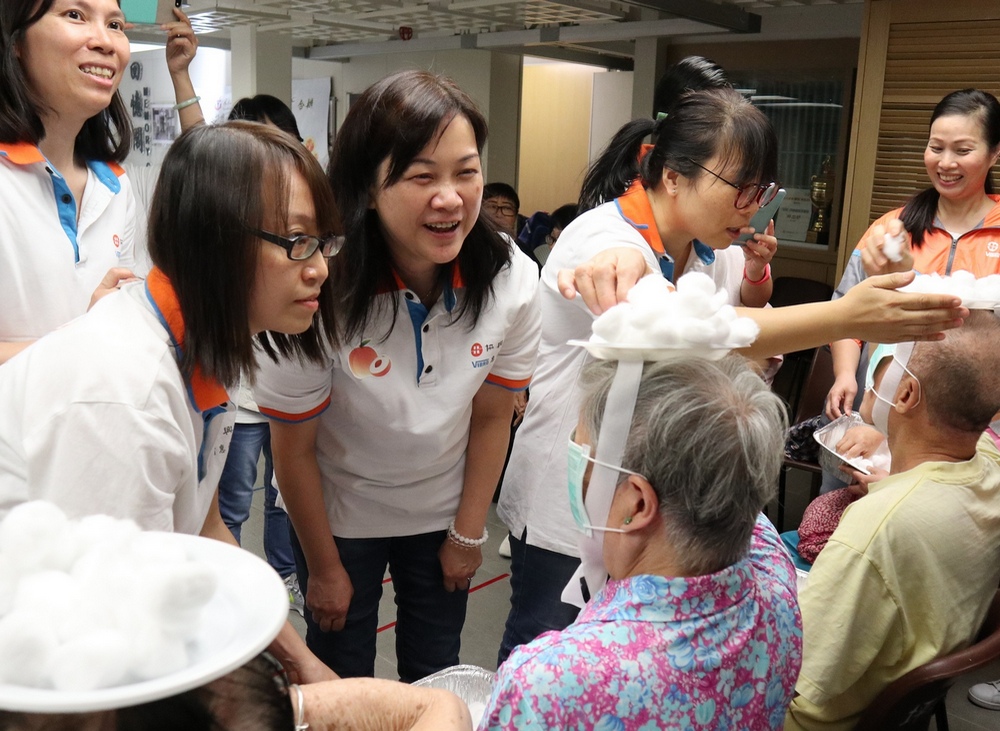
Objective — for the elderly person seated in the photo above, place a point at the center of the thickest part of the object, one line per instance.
(910, 571)
(698, 625)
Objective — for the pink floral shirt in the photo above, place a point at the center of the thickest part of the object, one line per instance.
(718, 652)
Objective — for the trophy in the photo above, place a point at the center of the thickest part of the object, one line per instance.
(821, 195)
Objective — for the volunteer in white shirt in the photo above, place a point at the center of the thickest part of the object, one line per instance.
(437, 328)
(125, 410)
(67, 220)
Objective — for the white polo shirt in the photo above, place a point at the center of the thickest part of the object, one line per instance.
(535, 493)
(395, 410)
(51, 263)
(97, 418)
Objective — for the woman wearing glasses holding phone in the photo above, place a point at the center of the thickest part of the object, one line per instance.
(125, 411)
(389, 452)
(707, 174)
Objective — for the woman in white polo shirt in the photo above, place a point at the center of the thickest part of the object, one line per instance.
(67, 218)
(125, 410)
(437, 328)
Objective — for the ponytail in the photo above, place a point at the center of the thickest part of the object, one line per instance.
(617, 166)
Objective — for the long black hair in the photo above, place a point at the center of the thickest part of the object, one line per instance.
(919, 212)
(691, 73)
(107, 136)
(701, 124)
(201, 237)
(393, 120)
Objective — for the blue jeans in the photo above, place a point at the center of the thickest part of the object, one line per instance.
(429, 619)
(537, 579)
(236, 493)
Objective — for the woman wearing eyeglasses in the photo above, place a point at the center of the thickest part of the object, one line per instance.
(679, 215)
(125, 410)
(388, 454)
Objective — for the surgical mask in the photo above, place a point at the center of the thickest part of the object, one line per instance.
(880, 353)
(578, 457)
(890, 384)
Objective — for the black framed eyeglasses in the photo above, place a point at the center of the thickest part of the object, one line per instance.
(301, 247)
(504, 209)
(748, 194)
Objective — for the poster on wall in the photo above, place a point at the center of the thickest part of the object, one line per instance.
(166, 126)
(311, 107)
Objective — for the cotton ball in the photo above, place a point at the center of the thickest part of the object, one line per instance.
(696, 283)
(154, 655)
(742, 332)
(26, 647)
(651, 289)
(963, 279)
(695, 331)
(610, 324)
(727, 313)
(93, 610)
(35, 533)
(45, 594)
(663, 334)
(176, 595)
(892, 246)
(693, 304)
(719, 329)
(96, 660)
(9, 576)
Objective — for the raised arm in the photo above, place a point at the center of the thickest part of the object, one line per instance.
(182, 47)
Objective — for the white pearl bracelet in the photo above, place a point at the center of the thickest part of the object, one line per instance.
(461, 540)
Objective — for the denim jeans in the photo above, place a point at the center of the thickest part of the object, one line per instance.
(236, 493)
(429, 619)
(537, 579)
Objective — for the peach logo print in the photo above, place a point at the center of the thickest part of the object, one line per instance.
(364, 361)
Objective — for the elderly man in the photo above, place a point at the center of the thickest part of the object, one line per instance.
(698, 624)
(892, 589)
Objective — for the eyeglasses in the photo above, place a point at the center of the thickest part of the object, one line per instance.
(300, 248)
(504, 209)
(747, 194)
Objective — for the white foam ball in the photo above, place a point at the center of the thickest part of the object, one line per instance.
(92, 661)
(26, 648)
(695, 331)
(154, 655)
(892, 246)
(743, 331)
(652, 288)
(176, 595)
(610, 324)
(34, 533)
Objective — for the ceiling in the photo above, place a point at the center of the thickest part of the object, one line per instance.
(334, 29)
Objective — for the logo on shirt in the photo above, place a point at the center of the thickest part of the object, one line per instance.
(116, 241)
(484, 354)
(993, 250)
(365, 361)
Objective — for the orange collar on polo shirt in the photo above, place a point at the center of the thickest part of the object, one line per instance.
(449, 294)
(206, 393)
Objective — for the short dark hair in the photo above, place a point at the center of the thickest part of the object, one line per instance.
(700, 125)
(920, 211)
(958, 375)
(503, 190)
(266, 108)
(200, 236)
(393, 120)
(107, 136)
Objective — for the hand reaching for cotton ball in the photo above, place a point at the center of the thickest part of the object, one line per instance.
(982, 293)
(694, 317)
(117, 608)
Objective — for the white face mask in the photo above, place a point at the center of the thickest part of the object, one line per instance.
(579, 455)
(890, 384)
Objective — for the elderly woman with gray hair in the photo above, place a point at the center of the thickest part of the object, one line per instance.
(698, 626)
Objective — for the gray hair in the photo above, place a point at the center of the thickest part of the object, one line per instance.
(709, 437)
(958, 375)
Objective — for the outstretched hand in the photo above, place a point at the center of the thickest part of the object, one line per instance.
(182, 43)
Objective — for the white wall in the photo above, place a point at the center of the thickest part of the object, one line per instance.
(611, 108)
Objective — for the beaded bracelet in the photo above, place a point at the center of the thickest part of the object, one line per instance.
(300, 712)
(187, 103)
(767, 275)
(455, 536)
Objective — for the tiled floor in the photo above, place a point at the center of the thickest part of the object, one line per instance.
(489, 602)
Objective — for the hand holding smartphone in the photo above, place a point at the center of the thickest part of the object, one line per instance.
(762, 217)
(149, 12)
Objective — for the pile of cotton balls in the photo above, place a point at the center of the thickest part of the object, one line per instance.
(976, 293)
(93, 603)
(694, 317)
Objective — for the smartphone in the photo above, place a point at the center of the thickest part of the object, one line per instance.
(763, 217)
(150, 12)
